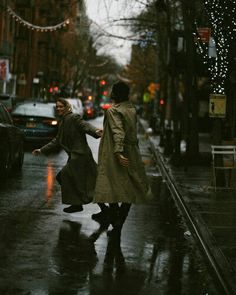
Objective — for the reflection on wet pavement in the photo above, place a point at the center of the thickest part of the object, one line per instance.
(45, 251)
(92, 259)
(73, 259)
(49, 182)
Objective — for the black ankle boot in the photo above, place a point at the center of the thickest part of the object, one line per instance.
(73, 208)
(102, 216)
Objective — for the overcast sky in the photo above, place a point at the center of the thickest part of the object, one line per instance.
(104, 13)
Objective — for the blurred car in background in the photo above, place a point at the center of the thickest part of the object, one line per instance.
(89, 110)
(37, 120)
(105, 104)
(12, 144)
(77, 106)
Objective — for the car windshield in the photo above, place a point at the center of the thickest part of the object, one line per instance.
(35, 109)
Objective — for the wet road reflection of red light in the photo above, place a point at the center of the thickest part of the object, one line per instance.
(50, 182)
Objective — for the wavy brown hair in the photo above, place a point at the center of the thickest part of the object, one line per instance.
(67, 105)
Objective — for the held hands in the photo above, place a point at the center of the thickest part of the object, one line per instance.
(36, 152)
(99, 132)
(122, 160)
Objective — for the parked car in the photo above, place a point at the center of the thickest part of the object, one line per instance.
(11, 143)
(8, 101)
(89, 110)
(37, 120)
(77, 105)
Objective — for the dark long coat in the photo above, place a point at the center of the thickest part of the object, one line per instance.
(116, 183)
(78, 176)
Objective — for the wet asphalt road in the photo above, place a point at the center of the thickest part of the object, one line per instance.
(46, 251)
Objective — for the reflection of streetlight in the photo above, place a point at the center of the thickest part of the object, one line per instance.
(50, 183)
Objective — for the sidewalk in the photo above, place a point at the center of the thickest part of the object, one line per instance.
(210, 215)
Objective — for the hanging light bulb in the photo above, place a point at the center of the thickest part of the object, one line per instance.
(37, 28)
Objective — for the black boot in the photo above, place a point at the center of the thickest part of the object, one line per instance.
(73, 208)
(102, 216)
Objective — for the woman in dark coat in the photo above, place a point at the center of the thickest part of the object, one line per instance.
(77, 178)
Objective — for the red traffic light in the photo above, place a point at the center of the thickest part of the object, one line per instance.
(102, 82)
(162, 102)
(53, 89)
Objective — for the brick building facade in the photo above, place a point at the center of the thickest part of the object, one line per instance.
(37, 57)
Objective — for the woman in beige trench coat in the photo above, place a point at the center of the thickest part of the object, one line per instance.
(77, 178)
(121, 174)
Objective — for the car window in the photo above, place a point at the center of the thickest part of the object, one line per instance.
(38, 110)
(4, 116)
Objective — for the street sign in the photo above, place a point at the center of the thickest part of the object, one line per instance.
(217, 106)
(204, 34)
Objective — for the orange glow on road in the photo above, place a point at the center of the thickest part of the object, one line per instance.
(50, 182)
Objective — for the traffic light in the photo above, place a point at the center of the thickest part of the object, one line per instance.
(162, 101)
(53, 89)
(153, 88)
(102, 82)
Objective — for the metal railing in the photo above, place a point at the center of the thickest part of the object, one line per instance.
(178, 199)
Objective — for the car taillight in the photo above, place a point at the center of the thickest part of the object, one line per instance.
(106, 106)
(16, 120)
(50, 122)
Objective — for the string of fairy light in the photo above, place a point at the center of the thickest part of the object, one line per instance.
(33, 27)
(222, 17)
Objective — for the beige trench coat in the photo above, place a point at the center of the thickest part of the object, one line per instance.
(116, 183)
